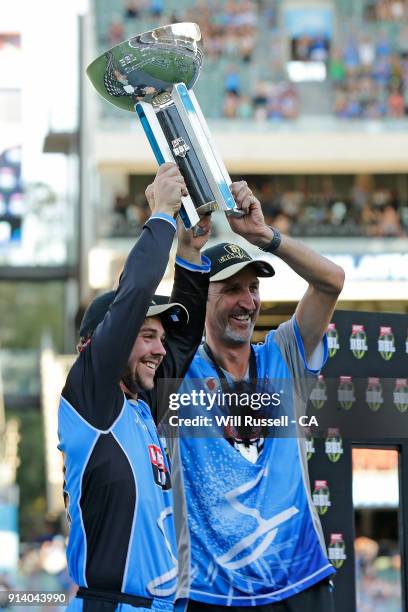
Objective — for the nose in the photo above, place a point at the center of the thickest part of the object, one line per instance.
(158, 348)
(247, 300)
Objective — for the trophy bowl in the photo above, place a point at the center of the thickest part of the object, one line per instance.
(147, 64)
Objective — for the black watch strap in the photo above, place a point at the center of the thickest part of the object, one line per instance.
(274, 243)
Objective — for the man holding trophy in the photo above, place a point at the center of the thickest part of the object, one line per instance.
(121, 551)
(266, 550)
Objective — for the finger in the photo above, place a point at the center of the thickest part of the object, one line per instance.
(237, 186)
(166, 167)
(205, 225)
(243, 201)
(246, 204)
(243, 191)
(173, 171)
(180, 183)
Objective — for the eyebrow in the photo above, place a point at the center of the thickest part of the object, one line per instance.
(149, 329)
(228, 285)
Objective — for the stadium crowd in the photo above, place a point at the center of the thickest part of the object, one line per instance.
(360, 209)
(367, 65)
(370, 78)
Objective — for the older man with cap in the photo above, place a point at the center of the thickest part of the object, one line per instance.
(121, 549)
(249, 535)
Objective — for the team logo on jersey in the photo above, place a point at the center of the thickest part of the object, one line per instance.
(333, 444)
(374, 394)
(160, 472)
(401, 394)
(180, 147)
(337, 550)
(212, 384)
(321, 496)
(345, 392)
(332, 339)
(386, 343)
(318, 396)
(250, 547)
(358, 341)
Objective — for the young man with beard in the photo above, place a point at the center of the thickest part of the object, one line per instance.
(121, 550)
(249, 535)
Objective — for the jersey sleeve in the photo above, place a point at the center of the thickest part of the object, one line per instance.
(190, 289)
(92, 386)
(303, 372)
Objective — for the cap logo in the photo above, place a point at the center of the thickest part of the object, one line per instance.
(233, 252)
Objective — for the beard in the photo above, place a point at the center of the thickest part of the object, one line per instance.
(135, 383)
(236, 338)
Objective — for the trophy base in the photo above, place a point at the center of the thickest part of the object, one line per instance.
(207, 208)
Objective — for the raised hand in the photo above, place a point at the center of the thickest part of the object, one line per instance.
(251, 225)
(189, 244)
(164, 194)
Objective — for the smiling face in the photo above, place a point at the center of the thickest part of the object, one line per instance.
(233, 307)
(146, 356)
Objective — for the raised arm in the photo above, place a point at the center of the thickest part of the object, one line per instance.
(191, 279)
(190, 288)
(326, 279)
(102, 363)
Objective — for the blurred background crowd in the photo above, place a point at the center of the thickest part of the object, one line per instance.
(365, 58)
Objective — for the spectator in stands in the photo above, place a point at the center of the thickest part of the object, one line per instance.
(383, 46)
(132, 9)
(116, 30)
(247, 43)
(389, 222)
(396, 104)
(366, 52)
(260, 99)
(156, 8)
(337, 69)
(230, 107)
(232, 81)
(245, 109)
(351, 56)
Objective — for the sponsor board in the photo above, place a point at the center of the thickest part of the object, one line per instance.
(345, 392)
(401, 394)
(337, 550)
(309, 443)
(333, 446)
(358, 341)
(386, 343)
(321, 496)
(374, 394)
(332, 339)
(318, 396)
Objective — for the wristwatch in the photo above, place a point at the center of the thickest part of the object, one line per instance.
(274, 243)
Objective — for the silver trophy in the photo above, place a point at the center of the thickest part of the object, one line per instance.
(152, 74)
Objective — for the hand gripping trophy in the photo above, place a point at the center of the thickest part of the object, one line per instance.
(152, 74)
